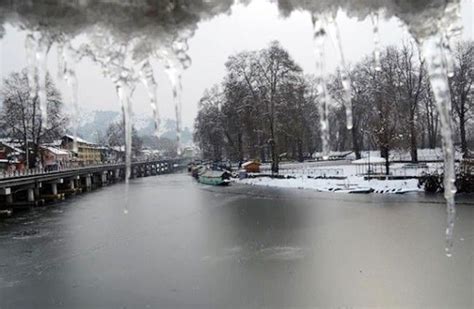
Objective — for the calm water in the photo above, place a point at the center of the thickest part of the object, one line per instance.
(185, 245)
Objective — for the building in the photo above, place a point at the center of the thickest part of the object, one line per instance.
(55, 158)
(251, 167)
(12, 155)
(87, 152)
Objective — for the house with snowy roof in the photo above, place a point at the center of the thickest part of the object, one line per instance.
(87, 152)
(54, 158)
(12, 155)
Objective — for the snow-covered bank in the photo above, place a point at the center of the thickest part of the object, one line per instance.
(352, 184)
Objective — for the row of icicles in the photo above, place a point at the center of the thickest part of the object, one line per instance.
(436, 50)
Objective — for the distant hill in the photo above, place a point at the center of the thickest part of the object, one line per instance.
(93, 126)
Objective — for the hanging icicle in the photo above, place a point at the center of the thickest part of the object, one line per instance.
(42, 50)
(375, 29)
(436, 47)
(319, 40)
(37, 49)
(333, 31)
(174, 75)
(451, 26)
(432, 51)
(124, 93)
(69, 73)
(61, 61)
(148, 79)
(30, 47)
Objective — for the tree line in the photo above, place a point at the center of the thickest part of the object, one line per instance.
(266, 107)
(20, 118)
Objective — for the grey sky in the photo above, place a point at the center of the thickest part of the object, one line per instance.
(246, 28)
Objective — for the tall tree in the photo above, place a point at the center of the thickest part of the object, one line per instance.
(461, 88)
(115, 136)
(208, 129)
(411, 77)
(21, 116)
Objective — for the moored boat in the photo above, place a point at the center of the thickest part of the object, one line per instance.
(214, 178)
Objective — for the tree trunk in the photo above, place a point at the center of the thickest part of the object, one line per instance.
(384, 153)
(300, 151)
(355, 142)
(35, 155)
(413, 144)
(262, 153)
(239, 146)
(274, 157)
(462, 131)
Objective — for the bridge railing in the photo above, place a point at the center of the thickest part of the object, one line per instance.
(45, 171)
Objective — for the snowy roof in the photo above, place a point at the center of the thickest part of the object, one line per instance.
(371, 160)
(249, 162)
(15, 146)
(56, 151)
(332, 154)
(80, 140)
(55, 143)
(118, 148)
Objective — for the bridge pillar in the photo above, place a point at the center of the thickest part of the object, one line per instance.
(37, 192)
(31, 195)
(103, 178)
(71, 184)
(54, 188)
(88, 182)
(8, 195)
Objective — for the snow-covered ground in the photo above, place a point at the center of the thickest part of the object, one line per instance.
(346, 168)
(308, 175)
(352, 184)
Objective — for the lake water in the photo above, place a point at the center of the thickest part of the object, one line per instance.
(169, 242)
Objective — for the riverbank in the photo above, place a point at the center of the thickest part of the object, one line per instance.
(351, 184)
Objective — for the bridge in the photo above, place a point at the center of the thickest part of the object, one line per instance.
(24, 189)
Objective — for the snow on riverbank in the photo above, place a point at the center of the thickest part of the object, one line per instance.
(352, 184)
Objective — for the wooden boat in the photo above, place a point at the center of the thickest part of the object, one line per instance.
(214, 178)
(196, 170)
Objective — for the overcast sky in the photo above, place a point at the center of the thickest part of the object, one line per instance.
(246, 28)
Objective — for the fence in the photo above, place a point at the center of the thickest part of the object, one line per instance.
(308, 171)
(44, 171)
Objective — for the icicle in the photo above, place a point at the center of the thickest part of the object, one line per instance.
(61, 60)
(174, 75)
(375, 24)
(436, 49)
(180, 48)
(30, 47)
(148, 79)
(432, 51)
(42, 50)
(333, 31)
(319, 40)
(174, 66)
(124, 93)
(452, 28)
(69, 73)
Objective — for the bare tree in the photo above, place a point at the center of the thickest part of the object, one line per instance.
(410, 75)
(21, 116)
(430, 119)
(208, 130)
(115, 136)
(461, 88)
